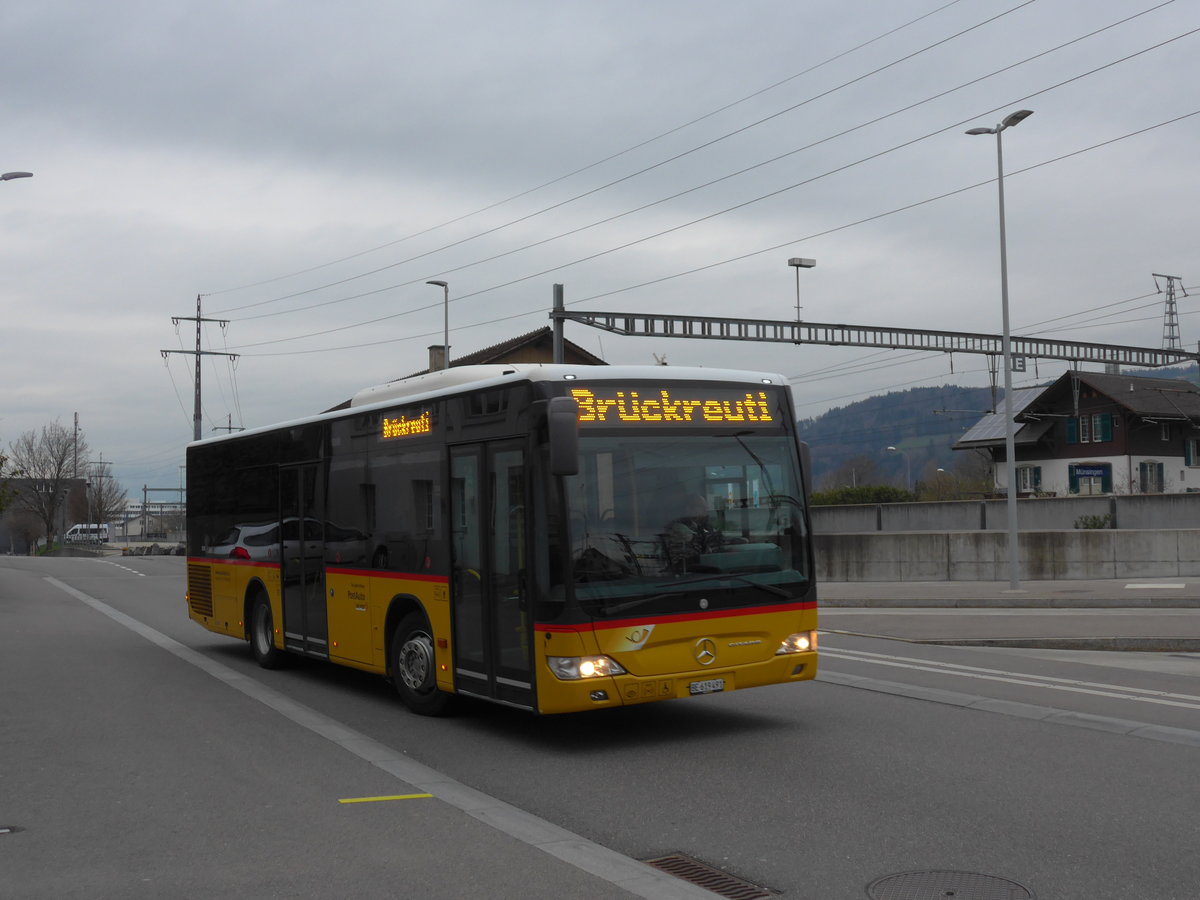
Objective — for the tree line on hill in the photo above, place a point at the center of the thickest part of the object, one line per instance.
(849, 444)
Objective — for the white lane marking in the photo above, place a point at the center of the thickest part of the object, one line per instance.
(124, 568)
(595, 859)
(1119, 692)
(1150, 587)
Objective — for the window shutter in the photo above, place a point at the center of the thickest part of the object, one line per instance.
(1073, 480)
(1037, 478)
(1102, 427)
(1189, 452)
(1106, 481)
(1072, 431)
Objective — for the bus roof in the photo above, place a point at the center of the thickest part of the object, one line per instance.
(419, 388)
(446, 380)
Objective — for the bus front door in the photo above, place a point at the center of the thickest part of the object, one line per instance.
(488, 587)
(302, 558)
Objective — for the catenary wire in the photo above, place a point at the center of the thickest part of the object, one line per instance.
(791, 242)
(631, 175)
(599, 162)
(677, 195)
(775, 193)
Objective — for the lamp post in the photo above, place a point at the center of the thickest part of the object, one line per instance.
(445, 322)
(799, 263)
(907, 467)
(1010, 468)
(9, 176)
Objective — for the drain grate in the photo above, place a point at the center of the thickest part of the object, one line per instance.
(936, 885)
(703, 875)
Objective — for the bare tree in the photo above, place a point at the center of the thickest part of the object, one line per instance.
(105, 495)
(860, 470)
(7, 491)
(47, 459)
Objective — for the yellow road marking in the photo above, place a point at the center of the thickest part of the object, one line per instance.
(377, 799)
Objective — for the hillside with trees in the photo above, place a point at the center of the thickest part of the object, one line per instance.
(849, 443)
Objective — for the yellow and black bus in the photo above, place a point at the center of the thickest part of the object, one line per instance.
(553, 538)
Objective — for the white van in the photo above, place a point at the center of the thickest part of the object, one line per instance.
(86, 534)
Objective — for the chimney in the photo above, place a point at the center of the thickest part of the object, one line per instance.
(437, 357)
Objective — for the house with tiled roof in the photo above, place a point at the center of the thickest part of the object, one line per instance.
(533, 347)
(1094, 433)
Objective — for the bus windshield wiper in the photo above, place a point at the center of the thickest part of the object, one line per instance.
(643, 601)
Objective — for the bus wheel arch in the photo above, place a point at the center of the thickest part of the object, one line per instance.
(260, 627)
(411, 660)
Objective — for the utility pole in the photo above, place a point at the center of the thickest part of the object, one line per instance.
(1170, 339)
(198, 318)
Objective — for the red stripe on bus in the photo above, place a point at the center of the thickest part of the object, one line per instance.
(231, 561)
(606, 625)
(375, 573)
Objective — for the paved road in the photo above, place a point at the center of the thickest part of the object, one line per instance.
(1168, 593)
(1155, 615)
(146, 757)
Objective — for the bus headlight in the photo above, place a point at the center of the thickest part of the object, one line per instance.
(802, 642)
(573, 668)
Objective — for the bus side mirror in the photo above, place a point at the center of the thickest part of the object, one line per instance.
(562, 426)
(806, 469)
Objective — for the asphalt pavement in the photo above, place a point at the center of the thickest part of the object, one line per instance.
(1154, 614)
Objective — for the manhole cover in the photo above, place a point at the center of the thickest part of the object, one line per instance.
(946, 886)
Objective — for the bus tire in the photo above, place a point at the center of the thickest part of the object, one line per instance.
(414, 671)
(262, 633)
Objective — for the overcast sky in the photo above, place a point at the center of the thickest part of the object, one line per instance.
(307, 166)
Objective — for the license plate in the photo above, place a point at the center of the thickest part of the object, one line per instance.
(712, 686)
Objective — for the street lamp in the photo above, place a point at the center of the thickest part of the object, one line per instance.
(799, 263)
(1010, 467)
(907, 467)
(445, 322)
(9, 176)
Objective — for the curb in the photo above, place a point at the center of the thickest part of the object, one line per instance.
(1122, 644)
(1130, 602)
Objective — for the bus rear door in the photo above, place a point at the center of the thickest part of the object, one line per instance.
(302, 558)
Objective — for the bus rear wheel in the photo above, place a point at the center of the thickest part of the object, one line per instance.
(414, 671)
(262, 633)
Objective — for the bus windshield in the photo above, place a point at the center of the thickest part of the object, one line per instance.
(672, 524)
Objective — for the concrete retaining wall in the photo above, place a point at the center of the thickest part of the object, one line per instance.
(1135, 511)
(983, 555)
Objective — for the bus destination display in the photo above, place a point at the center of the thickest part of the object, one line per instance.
(675, 405)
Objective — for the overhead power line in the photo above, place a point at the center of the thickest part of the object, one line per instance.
(790, 242)
(642, 171)
(592, 165)
(681, 226)
(645, 206)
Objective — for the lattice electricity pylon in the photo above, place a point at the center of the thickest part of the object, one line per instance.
(1170, 338)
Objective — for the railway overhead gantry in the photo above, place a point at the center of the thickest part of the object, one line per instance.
(878, 337)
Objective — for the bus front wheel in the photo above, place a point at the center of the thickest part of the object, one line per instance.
(414, 671)
(262, 634)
